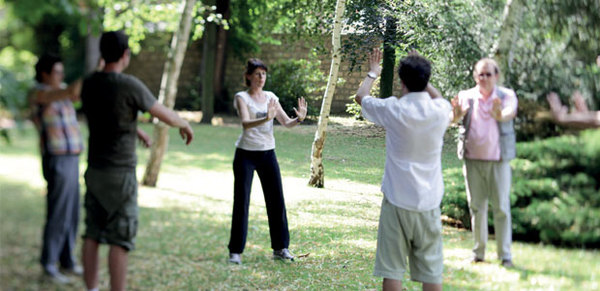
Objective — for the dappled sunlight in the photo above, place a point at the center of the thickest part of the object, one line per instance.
(23, 169)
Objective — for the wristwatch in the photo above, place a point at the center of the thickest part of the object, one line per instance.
(372, 75)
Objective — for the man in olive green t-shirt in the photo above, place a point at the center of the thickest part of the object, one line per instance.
(111, 101)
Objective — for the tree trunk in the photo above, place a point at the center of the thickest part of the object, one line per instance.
(386, 83)
(208, 69)
(221, 45)
(168, 92)
(317, 177)
(503, 47)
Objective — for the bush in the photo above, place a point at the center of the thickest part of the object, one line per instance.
(555, 193)
(292, 79)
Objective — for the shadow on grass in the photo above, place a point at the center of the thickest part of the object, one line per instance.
(183, 246)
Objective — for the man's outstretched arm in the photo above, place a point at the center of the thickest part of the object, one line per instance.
(172, 119)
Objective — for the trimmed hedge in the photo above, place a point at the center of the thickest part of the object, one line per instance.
(555, 196)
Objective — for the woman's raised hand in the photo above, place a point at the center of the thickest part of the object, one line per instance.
(271, 109)
(302, 109)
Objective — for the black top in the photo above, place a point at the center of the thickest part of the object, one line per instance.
(111, 102)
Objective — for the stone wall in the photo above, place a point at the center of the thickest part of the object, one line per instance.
(148, 66)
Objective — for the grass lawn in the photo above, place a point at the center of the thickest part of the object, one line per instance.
(185, 220)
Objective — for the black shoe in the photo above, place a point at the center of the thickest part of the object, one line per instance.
(478, 260)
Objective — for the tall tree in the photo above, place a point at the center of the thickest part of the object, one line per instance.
(168, 91)
(209, 52)
(316, 165)
(223, 8)
(386, 83)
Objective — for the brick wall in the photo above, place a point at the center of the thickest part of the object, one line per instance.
(148, 66)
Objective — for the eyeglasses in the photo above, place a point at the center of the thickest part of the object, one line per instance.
(487, 75)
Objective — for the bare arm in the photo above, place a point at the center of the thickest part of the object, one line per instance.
(433, 91)
(247, 122)
(288, 122)
(375, 69)
(581, 119)
(48, 96)
(172, 119)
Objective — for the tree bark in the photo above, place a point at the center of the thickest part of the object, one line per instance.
(503, 47)
(168, 92)
(317, 177)
(92, 41)
(208, 69)
(221, 47)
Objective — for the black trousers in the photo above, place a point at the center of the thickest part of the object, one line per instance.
(265, 163)
(62, 211)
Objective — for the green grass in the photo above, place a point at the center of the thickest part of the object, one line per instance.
(184, 224)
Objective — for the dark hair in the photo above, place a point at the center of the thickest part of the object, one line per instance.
(112, 45)
(251, 66)
(45, 64)
(414, 71)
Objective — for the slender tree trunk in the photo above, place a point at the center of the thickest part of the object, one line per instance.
(92, 41)
(208, 69)
(509, 31)
(168, 92)
(386, 83)
(317, 176)
(220, 57)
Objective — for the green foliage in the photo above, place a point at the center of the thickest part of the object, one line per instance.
(554, 196)
(254, 22)
(16, 77)
(354, 109)
(292, 79)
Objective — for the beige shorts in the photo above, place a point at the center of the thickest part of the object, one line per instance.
(408, 234)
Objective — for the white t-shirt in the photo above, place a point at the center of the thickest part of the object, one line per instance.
(415, 125)
(259, 138)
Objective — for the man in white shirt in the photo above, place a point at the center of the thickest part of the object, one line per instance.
(409, 223)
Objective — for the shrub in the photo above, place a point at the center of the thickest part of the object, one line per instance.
(555, 196)
(292, 79)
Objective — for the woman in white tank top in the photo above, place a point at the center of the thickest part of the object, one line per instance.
(255, 151)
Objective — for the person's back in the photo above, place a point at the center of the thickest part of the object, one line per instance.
(412, 186)
(415, 125)
(111, 102)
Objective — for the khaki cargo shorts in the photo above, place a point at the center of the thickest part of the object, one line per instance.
(111, 206)
(408, 234)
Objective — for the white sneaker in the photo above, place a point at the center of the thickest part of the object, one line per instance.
(235, 258)
(283, 254)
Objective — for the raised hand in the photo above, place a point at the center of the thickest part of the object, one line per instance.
(374, 60)
(301, 112)
(556, 107)
(457, 108)
(271, 109)
(580, 105)
(497, 109)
